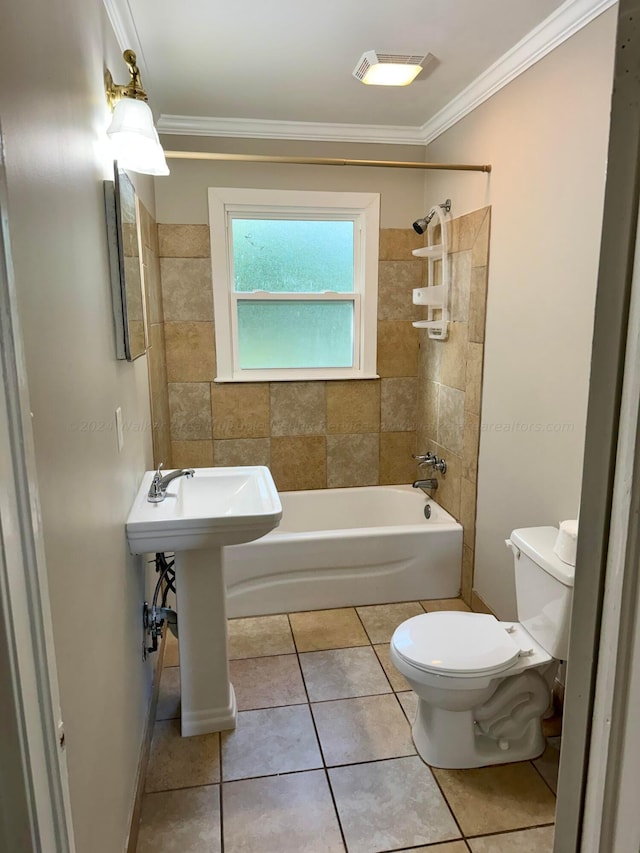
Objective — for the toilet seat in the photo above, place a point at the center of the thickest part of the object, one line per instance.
(456, 644)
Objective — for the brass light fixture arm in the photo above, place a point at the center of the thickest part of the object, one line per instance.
(133, 89)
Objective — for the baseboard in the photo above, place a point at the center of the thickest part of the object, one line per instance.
(141, 775)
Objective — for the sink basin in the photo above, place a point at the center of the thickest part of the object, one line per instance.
(216, 507)
(197, 518)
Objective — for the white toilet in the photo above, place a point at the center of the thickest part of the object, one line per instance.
(483, 685)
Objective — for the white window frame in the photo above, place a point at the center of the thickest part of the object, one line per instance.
(363, 209)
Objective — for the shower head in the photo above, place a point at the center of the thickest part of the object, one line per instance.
(420, 225)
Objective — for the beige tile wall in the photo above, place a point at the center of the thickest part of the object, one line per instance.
(156, 356)
(313, 435)
(450, 382)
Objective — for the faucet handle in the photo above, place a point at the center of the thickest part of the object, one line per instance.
(425, 458)
(440, 465)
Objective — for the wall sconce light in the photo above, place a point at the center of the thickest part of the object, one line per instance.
(132, 132)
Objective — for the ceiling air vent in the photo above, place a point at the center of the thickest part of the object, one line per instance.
(391, 69)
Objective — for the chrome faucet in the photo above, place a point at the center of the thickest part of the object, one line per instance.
(159, 484)
(431, 459)
(431, 484)
(425, 458)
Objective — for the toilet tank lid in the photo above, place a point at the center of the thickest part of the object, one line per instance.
(537, 543)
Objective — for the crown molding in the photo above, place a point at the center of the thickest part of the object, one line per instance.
(124, 29)
(305, 130)
(567, 20)
(552, 32)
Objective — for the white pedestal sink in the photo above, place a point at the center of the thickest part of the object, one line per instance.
(197, 518)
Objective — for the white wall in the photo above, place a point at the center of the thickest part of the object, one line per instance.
(546, 136)
(182, 197)
(53, 112)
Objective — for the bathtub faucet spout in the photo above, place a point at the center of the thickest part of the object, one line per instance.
(431, 484)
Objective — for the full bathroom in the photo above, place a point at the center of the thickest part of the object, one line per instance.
(349, 621)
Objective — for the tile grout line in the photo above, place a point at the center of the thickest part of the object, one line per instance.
(509, 831)
(295, 772)
(364, 627)
(315, 729)
(540, 774)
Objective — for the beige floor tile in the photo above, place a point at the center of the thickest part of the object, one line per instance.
(343, 673)
(268, 742)
(396, 679)
(444, 604)
(496, 799)
(171, 653)
(381, 620)
(388, 805)
(259, 636)
(364, 729)
(177, 821)
(447, 847)
(169, 694)
(181, 762)
(328, 629)
(539, 840)
(548, 763)
(409, 702)
(295, 812)
(267, 682)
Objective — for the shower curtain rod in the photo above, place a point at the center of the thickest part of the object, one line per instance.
(323, 161)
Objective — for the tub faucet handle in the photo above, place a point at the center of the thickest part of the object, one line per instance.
(424, 458)
(439, 465)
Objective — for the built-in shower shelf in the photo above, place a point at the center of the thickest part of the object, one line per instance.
(429, 296)
(429, 251)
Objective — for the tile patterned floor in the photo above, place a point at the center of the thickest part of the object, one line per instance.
(322, 760)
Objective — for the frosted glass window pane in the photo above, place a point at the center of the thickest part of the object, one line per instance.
(292, 256)
(295, 334)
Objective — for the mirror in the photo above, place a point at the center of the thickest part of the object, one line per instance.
(121, 205)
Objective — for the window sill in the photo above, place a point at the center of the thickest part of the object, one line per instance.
(293, 376)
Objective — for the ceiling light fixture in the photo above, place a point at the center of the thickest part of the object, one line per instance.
(376, 68)
(132, 132)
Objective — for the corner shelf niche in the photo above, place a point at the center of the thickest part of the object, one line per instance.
(435, 296)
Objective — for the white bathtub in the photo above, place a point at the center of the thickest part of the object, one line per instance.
(342, 547)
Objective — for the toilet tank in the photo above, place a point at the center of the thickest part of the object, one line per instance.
(544, 588)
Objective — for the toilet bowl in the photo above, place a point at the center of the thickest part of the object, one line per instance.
(483, 686)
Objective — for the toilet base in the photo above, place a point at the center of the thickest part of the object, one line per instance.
(452, 740)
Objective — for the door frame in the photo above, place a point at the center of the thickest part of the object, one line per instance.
(605, 594)
(35, 811)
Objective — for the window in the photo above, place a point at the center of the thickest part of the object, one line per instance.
(295, 284)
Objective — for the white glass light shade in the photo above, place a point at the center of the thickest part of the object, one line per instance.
(391, 74)
(134, 138)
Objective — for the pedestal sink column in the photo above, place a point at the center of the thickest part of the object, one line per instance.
(208, 700)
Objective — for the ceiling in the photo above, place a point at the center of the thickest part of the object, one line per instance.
(290, 61)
